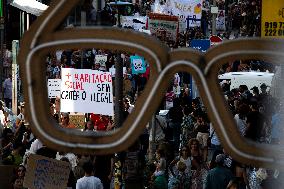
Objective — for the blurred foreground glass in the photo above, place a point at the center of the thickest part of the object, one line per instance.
(204, 68)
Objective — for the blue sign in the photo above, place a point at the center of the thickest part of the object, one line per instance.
(200, 44)
(137, 64)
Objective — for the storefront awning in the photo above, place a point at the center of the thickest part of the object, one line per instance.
(30, 6)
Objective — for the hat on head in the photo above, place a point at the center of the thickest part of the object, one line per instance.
(263, 86)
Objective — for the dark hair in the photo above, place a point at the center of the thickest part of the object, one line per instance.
(88, 167)
(7, 131)
(186, 110)
(161, 152)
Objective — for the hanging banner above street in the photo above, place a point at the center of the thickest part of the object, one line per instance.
(86, 91)
(272, 19)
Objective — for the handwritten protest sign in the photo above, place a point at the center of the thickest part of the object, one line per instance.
(220, 22)
(86, 91)
(43, 172)
(137, 64)
(53, 86)
(101, 59)
(164, 27)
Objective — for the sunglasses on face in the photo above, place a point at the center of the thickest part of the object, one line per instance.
(164, 63)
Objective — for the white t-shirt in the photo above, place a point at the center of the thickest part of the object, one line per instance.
(89, 183)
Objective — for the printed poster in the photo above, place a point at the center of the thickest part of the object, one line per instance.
(137, 64)
(272, 20)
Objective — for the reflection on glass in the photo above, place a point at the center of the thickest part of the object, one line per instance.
(252, 89)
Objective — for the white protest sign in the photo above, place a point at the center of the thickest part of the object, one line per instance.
(112, 71)
(86, 91)
(220, 22)
(43, 172)
(53, 86)
(101, 59)
(191, 9)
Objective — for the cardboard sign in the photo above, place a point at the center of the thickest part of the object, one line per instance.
(164, 27)
(101, 59)
(43, 172)
(272, 19)
(86, 91)
(137, 64)
(53, 87)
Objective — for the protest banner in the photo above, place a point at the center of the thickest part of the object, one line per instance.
(200, 44)
(220, 22)
(164, 27)
(43, 172)
(272, 19)
(86, 91)
(101, 59)
(137, 64)
(53, 87)
(184, 9)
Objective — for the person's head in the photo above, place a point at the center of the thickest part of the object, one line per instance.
(17, 183)
(181, 166)
(220, 158)
(263, 87)
(255, 90)
(21, 171)
(184, 152)
(88, 167)
(160, 153)
(186, 110)
(193, 144)
(7, 133)
(65, 118)
(97, 66)
(90, 125)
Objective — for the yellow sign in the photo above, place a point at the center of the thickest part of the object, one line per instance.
(272, 21)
